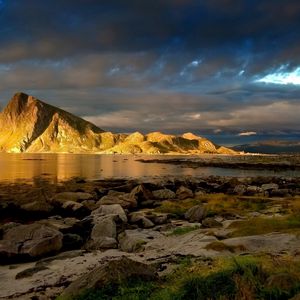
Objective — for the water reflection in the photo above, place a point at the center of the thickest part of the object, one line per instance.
(57, 167)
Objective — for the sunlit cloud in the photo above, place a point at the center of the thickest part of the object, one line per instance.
(247, 133)
(282, 76)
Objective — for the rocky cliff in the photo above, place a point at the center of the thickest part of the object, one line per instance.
(30, 125)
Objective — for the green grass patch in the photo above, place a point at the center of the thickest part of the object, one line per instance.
(219, 246)
(260, 225)
(184, 230)
(217, 204)
(242, 277)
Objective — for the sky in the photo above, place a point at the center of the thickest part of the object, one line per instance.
(212, 67)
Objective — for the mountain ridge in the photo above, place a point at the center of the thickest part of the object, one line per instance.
(28, 124)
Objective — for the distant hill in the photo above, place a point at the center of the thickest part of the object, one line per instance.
(30, 125)
(271, 147)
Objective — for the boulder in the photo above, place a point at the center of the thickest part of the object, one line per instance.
(64, 225)
(141, 193)
(280, 193)
(164, 194)
(269, 186)
(196, 213)
(71, 196)
(72, 241)
(74, 208)
(39, 207)
(104, 233)
(125, 200)
(112, 209)
(29, 241)
(110, 273)
(211, 223)
(140, 219)
(184, 193)
(134, 240)
(158, 218)
(240, 189)
(89, 204)
(254, 190)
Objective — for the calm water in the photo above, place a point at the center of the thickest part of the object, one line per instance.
(56, 167)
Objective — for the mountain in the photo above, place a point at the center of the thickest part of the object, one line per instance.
(30, 125)
(271, 147)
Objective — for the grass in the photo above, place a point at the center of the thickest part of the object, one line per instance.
(256, 226)
(242, 277)
(219, 246)
(184, 230)
(217, 204)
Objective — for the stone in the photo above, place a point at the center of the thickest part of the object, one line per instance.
(269, 186)
(135, 240)
(199, 193)
(29, 241)
(158, 219)
(240, 189)
(64, 225)
(104, 233)
(74, 208)
(184, 193)
(280, 193)
(140, 219)
(71, 196)
(112, 209)
(211, 223)
(89, 204)
(126, 200)
(72, 241)
(254, 190)
(164, 194)
(40, 207)
(109, 273)
(196, 213)
(141, 193)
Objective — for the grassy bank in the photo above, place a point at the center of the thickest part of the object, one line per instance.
(247, 277)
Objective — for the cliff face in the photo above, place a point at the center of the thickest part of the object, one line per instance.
(30, 125)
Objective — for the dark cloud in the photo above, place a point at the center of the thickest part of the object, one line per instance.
(155, 64)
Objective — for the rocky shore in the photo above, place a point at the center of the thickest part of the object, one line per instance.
(78, 235)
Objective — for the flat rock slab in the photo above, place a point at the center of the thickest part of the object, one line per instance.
(272, 242)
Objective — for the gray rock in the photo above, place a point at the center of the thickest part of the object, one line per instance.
(280, 193)
(111, 272)
(72, 241)
(135, 240)
(74, 208)
(71, 196)
(38, 207)
(211, 223)
(112, 209)
(104, 233)
(254, 190)
(269, 186)
(196, 213)
(140, 219)
(126, 200)
(164, 194)
(30, 241)
(64, 225)
(184, 193)
(240, 189)
(141, 193)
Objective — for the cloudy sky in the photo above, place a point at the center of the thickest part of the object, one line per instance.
(217, 66)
